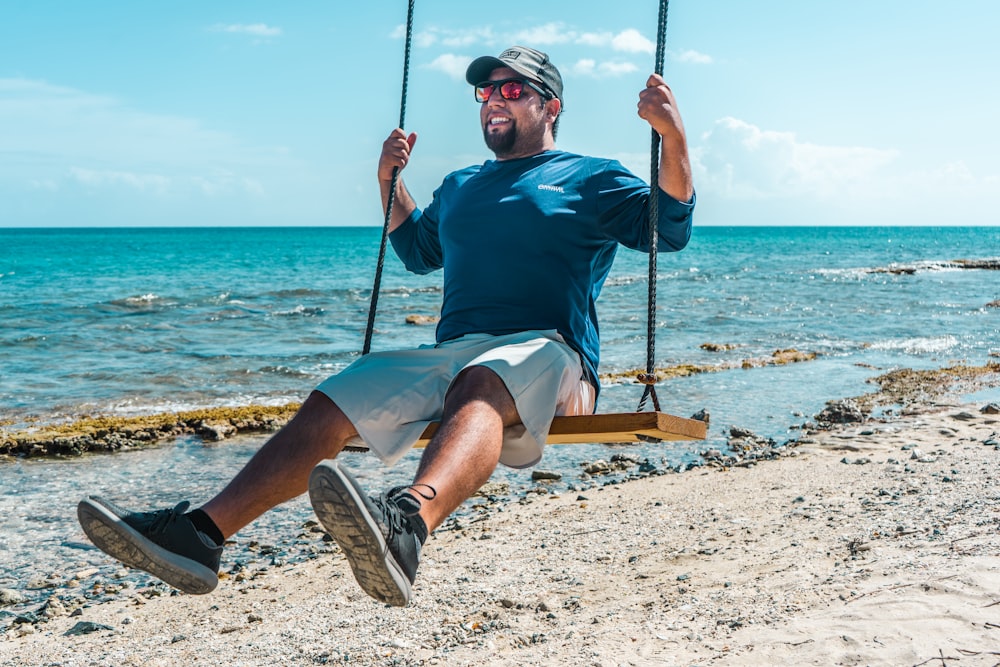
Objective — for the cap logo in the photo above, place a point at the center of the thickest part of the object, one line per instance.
(513, 54)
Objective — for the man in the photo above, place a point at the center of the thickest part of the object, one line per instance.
(525, 242)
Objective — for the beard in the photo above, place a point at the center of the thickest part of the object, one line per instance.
(503, 142)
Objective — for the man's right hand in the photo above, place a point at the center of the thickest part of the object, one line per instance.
(395, 153)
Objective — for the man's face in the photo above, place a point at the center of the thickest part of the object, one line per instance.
(513, 128)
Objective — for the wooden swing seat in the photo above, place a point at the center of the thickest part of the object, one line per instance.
(613, 428)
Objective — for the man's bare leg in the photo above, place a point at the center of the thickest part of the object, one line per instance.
(279, 471)
(382, 535)
(466, 448)
(184, 549)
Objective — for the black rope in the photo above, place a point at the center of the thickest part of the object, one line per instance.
(373, 307)
(649, 377)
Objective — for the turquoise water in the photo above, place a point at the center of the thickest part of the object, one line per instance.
(132, 321)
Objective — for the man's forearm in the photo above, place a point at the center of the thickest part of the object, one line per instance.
(675, 172)
(402, 206)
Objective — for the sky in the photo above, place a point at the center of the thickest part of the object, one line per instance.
(226, 113)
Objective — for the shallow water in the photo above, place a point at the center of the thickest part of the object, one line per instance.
(142, 321)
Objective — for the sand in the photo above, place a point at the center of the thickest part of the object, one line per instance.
(869, 544)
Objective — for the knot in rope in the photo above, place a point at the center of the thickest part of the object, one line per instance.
(647, 378)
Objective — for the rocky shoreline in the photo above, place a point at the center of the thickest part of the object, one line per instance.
(113, 434)
(736, 561)
(870, 543)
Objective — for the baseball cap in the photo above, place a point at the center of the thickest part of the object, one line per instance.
(523, 60)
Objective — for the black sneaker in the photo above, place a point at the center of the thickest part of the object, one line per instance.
(381, 537)
(164, 543)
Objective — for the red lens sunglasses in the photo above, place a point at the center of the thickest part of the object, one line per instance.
(510, 89)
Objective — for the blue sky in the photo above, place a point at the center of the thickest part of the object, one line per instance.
(266, 113)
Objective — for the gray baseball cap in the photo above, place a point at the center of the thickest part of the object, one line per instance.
(527, 61)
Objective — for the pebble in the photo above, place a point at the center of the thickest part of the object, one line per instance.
(85, 628)
(647, 467)
(422, 320)
(493, 489)
(9, 597)
(857, 462)
(54, 608)
(599, 467)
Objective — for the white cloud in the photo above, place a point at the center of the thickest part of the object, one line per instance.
(448, 38)
(748, 175)
(627, 41)
(224, 182)
(468, 38)
(452, 65)
(693, 57)
(617, 68)
(62, 136)
(739, 160)
(423, 39)
(544, 35)
(632, 41)
(595, 39)
(588, 67)
(254, 29)
(154, 183)
(584, 67)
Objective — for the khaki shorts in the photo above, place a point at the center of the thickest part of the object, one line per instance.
(390, 397)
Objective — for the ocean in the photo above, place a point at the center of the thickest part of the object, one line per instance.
(138, 321)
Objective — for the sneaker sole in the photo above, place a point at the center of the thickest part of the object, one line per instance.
(119, 540)
(340, 507)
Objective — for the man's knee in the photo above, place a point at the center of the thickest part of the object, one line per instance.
(476, 380)
(320, 414)
(317, 401)
(481, 383)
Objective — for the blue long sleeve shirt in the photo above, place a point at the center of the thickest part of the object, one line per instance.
(527, 244)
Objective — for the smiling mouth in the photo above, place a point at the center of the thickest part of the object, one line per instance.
(497, 120)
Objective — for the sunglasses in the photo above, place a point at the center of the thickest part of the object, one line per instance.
(510, 89)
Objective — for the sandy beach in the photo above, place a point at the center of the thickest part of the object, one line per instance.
(869, 543)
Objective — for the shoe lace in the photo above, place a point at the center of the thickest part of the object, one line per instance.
(400, 505)
(165, 518)
(407, 498)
